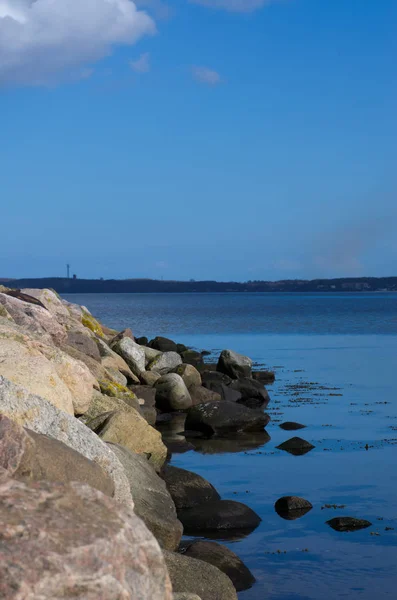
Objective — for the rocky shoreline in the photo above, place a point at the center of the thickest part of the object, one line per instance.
(91, 507)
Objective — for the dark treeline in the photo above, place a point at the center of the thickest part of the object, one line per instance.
(70, 286)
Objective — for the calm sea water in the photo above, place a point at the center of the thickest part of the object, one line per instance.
(336, 362)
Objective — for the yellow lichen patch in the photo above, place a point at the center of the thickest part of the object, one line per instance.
(116, 390)
(91, 323)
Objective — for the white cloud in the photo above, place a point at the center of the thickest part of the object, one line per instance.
(205, 75)
(234, 5)
(142, 64)
(43, 40)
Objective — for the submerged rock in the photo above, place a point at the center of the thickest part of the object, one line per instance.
(152, 501)
(221, 557)
(292, 507)
(188, 489)
(69, 540)
(348, 524)
(235, 365)
(296, 446)
(218, 515)
(189, 575)
(291, 426)
(222, 418)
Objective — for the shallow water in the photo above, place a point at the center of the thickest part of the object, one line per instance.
(341, 352)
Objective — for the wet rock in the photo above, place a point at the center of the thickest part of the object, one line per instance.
(189, 374)
(296, 446)
(223, 418)
(348, 524)
(235, 365)
(225, 392)
(172, 393)
(163, 344)
(189, 575)
(292, 507)
(215, 376)
(191, 357)
(188, 489)
(29, 456)
(200, 394)
(132, 353)
(165, 363)
(252, 392)
(222, 558)
(69, 540)
(264, 376)
(233, 443)
(84, 343)
(39, 415)
(218, 515)
(152, 501)
(291, 426)
(133, 432)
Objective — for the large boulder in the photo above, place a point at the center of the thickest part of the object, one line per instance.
(132, 431)
(235, 365)
(29, 456)
(53, 303)
(41, 416)
(34, 319)
(172, 393)
(163, 344)
(69, 540)
(165, 363)
(112, 360)
(188, 489)
(223, 418)
(215, 376)
(152, 501)
(221, 557)
(132, 353)
(189, 374)
(198, 577)
(218, 515)
(200, 394)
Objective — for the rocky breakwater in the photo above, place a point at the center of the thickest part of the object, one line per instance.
(90, 507)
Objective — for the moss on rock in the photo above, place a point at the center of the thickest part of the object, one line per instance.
(91, 323)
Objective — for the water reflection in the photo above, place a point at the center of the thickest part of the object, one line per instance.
(237, 443)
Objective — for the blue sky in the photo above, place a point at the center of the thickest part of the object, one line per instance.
(210, 139)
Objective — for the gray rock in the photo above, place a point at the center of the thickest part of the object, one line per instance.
(200, 394)
(126, 333)
(150, 353)
(235, 365)
(188, 489)
(84, 343)
(149, 377)
(223, 418)
(132, 353)
(41, 416)
(189, 374)
(252, 392)
(29, 456)
(70, 541)
(221, 557)
(198, 577)
(152, 501)
(172, 393)
(165, 363)
(218, 515)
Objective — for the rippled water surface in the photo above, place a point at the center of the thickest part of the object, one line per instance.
(335, 357)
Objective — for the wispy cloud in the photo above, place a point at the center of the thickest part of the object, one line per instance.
(206, 76)
(43, 41)
(234, 5)
(142, 64)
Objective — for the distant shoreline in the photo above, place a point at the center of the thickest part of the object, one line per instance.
(95, 286)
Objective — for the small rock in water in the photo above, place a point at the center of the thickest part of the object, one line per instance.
(348, 524)
(291, 426)
(292, 507)
(218, 515)
(296, 446)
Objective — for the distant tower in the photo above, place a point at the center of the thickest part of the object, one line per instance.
(68, 271)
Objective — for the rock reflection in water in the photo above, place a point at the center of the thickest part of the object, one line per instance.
(236, 443)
